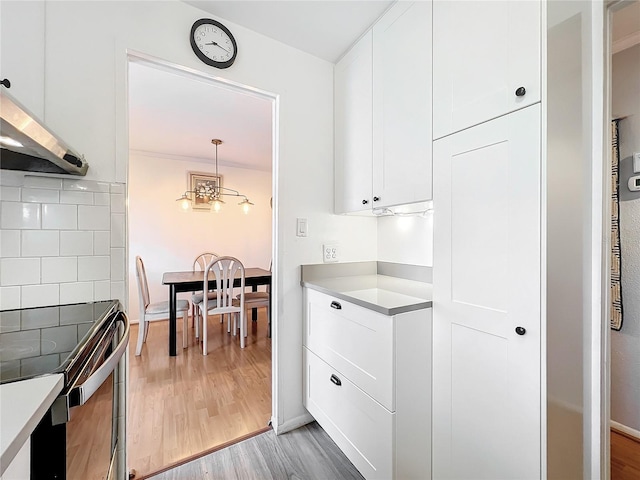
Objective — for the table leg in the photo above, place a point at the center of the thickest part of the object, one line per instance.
(254, 311)
(172, 320)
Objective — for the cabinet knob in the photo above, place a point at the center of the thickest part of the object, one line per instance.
(521, 91)
(364, 202)
(5, 83)
(375, 199)
(335, 380)
(336, 305)
(521, 330)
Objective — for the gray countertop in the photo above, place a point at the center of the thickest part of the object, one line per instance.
(386, 294)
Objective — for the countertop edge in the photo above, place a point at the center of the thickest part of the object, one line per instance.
(371, 306)
(48, 388)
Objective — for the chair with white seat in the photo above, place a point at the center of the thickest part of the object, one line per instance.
(225, 269)
(199, 264)
(155, 311)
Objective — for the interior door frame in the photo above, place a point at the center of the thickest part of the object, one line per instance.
(122, 164)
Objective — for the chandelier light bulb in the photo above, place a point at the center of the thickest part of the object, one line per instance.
(217, 205)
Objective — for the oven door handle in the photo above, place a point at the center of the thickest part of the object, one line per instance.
(86, 389)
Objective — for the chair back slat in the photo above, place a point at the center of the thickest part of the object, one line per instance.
(143, 286)
(225, 269)
(202, 260)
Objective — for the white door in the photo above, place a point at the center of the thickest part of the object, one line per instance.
(353, 128)
(487, 264)
(402, 105)
(483, 52)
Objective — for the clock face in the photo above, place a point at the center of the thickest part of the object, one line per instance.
(213, 43)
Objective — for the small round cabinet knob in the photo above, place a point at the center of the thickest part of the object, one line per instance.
(364, 202)
(521, 91)
(5, 83)
(521, 330)
(375, 199)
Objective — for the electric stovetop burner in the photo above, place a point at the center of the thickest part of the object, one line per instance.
(40, 340)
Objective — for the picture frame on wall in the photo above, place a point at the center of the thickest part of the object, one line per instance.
(203, 185)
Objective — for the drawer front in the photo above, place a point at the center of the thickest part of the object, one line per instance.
(355, 341)
(360, 426)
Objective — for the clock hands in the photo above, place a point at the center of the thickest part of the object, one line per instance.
(218, 45)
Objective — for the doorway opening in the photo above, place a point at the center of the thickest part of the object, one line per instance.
(186, 406)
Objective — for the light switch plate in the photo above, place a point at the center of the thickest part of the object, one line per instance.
(301, 227)
(636, 162)
(330, 253)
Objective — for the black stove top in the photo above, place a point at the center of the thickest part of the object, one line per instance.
(38, 341)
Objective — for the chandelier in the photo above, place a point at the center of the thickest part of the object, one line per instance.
(211, 193)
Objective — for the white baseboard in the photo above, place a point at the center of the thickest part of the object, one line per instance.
(291, 424)
(624, 429)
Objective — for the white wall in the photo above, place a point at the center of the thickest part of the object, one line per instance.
(625, 344)
(406, 240)
(171, 241)
(86, 44)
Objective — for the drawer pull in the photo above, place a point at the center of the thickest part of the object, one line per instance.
(336, 305)
(335, 380)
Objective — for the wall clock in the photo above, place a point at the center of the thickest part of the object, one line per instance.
(213, 43)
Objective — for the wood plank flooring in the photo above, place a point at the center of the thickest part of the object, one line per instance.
(304, 453)
(180, 407)
(625, 457)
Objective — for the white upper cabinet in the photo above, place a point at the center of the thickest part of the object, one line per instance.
(486, 61)
(353, 128)
(402, 105)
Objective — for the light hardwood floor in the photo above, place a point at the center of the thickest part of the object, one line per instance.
(625, 457)
(305, 453)
(180, 407)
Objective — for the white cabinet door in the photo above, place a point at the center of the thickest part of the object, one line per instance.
(353, 128)
(482, 53)
(402, 105)
(487, 283)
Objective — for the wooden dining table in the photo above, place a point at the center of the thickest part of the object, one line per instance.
(193, 282)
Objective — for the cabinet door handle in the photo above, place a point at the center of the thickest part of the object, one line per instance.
(5, 83)
(335, 380)
(336, 305)
(521, 330)
(376, 199)
(364, 202)
(520, 92)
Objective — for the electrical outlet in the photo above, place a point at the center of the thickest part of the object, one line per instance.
(330, 253)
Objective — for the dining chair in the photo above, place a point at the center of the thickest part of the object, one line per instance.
(225, 270)
(155, 311)
(258, 300)
(199, 264)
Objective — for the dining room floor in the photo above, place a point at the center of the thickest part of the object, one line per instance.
(185, 406)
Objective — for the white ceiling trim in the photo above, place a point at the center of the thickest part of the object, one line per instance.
(186, 158)
(625, 42)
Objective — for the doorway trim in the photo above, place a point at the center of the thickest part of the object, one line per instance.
(122, 164)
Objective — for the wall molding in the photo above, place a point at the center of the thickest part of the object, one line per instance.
(186, 158)
(632, 432)
(625, 42)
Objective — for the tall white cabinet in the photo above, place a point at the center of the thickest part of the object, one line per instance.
(488, 335)
(383, 113)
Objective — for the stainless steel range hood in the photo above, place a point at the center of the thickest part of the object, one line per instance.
(28, 145)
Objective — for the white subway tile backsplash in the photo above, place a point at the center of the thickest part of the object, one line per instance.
(102, 290)
(40, 195)
(93, 218)
(76, 292)
(85, 185)
(43, 182)
(117, 264)
(117, 188)
(39, 295)
(9, 243)
(118, 237)
(75, 242)
(10, 320)
(19, 271)
(10, 194)
(101, 243)
(9, 298)
(76, 198)
(14, 215)
(117, 203)
(101, 198)
(11, 178)
(59, 217)
(40, 243)
(60, 269)
(117, 291)
(93, 268)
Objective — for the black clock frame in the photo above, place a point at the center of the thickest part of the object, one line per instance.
(201, 55)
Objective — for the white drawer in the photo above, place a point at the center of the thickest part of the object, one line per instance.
(355, 341)
(360, 426)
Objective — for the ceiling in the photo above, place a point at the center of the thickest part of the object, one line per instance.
(174, 115)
